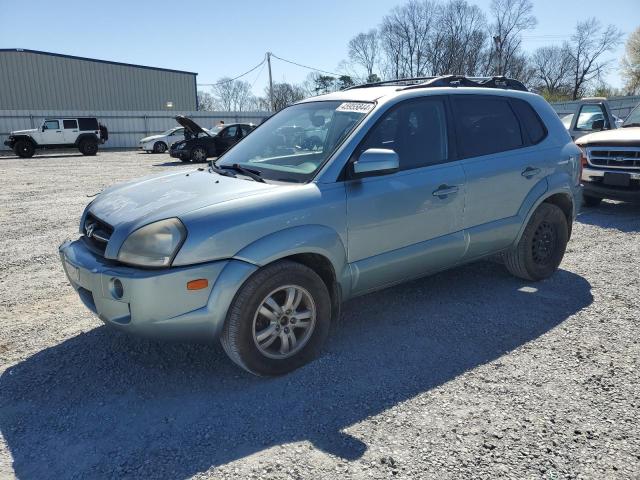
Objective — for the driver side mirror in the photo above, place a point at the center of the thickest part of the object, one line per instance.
(375, 161)
(598, 125)
(44, 127)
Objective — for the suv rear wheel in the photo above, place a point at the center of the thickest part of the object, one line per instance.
(278, 320)
(88, 147)
(541, 247)
(24, 148)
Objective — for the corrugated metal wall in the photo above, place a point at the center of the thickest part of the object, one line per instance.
(125, 128)
(31, 80)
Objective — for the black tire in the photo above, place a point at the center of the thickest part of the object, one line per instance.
(24, 148)
(88, 147)
(185, 160)
(542, 245)
(238, 334)
(198, 154)
(589, 201)
(159, 147)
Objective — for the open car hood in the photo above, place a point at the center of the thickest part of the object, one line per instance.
(190, 125)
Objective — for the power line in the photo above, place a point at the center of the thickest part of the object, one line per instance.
(304, 66)
(234, 78)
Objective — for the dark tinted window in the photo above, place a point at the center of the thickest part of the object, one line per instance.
(530, 121)
(88, 123)
(485, 125)
(70, 124)
(416, 130)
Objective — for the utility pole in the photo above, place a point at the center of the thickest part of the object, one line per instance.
(270, 83)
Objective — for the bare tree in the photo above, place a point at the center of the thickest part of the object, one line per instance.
(631, 63)
(363, 50)
(552, 69)
(510, 19)
(457, 45)
(404, 38)
(233, 95)
(206, 102)
(284, 94)
(587, 46)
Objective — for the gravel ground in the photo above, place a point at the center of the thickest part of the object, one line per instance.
(470, 373)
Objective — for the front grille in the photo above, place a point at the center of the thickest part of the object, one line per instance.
(96, 233)
(626, 158)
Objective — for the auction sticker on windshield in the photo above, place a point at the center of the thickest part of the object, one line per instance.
(360, 107)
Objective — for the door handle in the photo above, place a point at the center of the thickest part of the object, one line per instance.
(530, 172)
(445, 190)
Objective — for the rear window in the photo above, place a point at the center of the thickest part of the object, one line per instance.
(485, 125)
(88, 123)
(531, 123)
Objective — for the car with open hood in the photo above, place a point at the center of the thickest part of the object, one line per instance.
(200, 143)
(611, 162)
(260, 248)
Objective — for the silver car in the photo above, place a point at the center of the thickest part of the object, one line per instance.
(260, 248)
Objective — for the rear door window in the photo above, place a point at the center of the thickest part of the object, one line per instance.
(70, 124)
(485, 125)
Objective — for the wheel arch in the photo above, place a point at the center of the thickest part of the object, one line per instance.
(316, 246)
(28, 138)
(562, 197)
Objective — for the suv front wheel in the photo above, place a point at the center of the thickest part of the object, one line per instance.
(541, 247)
(278, 320)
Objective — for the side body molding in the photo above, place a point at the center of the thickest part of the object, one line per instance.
(317, 239)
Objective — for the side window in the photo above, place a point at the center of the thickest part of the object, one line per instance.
(532, 125)
(416, 130)
(230, 132)
(589, 114)
(51, 124)
(485, 125)
(245, 130)
(70, 124)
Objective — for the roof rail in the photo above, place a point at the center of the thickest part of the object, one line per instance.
(398, 81)
(462, 81)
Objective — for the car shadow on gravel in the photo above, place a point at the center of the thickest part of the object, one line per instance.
(621, 216)
(103, 404)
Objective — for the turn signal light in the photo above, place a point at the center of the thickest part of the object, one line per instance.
(198, 284)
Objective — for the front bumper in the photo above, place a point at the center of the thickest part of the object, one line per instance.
(154, 303)
(593, 186)
(182, 154)
(9, 143)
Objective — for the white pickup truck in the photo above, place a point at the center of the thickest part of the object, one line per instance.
(83, 133)
(610, 158)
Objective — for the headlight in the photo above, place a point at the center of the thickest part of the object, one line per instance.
(153, 245)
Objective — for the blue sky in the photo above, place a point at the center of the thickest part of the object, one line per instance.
(219, 39)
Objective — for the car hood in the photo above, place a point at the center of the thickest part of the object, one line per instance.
(190, 125)
(24, 132)
(620, 136)
(133, 204)
(151, 138)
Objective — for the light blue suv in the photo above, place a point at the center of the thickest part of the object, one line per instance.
(260, 249)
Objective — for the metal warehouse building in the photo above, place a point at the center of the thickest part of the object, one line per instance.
(33, 80)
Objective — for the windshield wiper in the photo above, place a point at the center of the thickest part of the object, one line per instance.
(249, 172)
(633, 124)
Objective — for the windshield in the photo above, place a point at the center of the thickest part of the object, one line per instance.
(293, 144)
(634, 118)
(214, 130)
(171, 130)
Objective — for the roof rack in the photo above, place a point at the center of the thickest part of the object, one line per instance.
(398, 81)
(450, 81)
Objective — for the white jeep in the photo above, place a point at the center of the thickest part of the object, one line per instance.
(83, 133)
